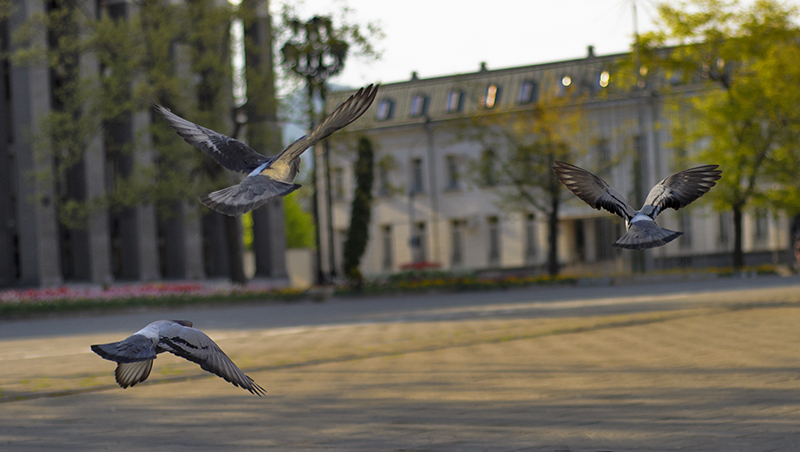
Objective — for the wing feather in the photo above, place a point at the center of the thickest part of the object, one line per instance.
(196, 346)
(346, 113)
(680, 189)
(228, 152)
(593, 190)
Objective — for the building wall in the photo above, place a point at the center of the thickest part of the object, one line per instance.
(135, 244)
(584, 235)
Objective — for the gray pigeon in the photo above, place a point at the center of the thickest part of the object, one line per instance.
(134, 356)
(268, 176)
(642, 233)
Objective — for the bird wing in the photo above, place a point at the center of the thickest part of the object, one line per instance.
(253, 192)
(349, 111)
(682, 188)
(194, 345)
(593, 190)
(133, 349)
(228, 152)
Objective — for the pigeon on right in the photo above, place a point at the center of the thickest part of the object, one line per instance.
(675, 191)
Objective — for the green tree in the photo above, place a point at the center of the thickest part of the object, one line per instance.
(299, 224)
(522, 143)
(108, 68)
(747, 120)
(314, 51)
(360, 212)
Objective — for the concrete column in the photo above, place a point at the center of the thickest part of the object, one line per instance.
(8, 188)
(36, 215)
(264, 135)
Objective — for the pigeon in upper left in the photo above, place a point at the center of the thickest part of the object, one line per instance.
(268, 176)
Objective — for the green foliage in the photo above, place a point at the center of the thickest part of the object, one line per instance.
(358, 233)
(136, 62)
(747, 121)
(299, 223)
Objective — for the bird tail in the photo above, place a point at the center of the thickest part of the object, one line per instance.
(128, 374)
(645, 234)
(252, 193)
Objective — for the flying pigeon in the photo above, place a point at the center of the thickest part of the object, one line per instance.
(134, 356)
(675, 191)
(268, 176)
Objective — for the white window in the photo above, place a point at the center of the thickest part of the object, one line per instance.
(388, 258)
(454, 101)
(417, 185)
(457, 242)
(494, 240)
(530, 237)
(452, 172)
(528, 93)
(419, 105)
(491, 96)
(419, 243)
(385, 110)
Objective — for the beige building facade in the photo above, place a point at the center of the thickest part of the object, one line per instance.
(428, 209)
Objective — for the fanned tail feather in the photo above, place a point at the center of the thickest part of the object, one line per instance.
(645, 234)
(251, 194)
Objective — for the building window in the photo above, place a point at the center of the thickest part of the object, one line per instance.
(419, 105)
(494, 240)
(416, 176)
(383, 180)
(724, 228)
(418, 243)
(457, 242)
(452, 172)
(528, 93)
(530, 237)
(386, 238)
(603, 154)
(761, 226)
(454, 101)
(685, 222)
(337, 184)
(385, 110)
(604, 78)
(491, 97)
(489, 168)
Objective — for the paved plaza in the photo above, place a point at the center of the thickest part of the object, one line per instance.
(714, 371)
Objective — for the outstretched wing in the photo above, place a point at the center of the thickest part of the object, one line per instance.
(593, 190)
(194, 345)
(253, 192)
(228, 152)
(682, 188)
(349, 111)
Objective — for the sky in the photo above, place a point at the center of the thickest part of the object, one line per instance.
(445, 37)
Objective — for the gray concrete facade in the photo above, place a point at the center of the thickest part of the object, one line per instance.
(136, 243)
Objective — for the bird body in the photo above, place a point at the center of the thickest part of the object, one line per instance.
(267, 177)
(642, 232)
(135, 354)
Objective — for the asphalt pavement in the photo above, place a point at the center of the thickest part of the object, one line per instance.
(703, 365)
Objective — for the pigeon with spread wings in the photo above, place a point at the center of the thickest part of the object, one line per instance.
(268, 177)
(675, 191)
(134, 356)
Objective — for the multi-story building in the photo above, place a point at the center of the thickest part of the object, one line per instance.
(132, 244)
(427, 208)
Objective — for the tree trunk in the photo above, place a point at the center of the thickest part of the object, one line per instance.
(552, 223)
(738, 254)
